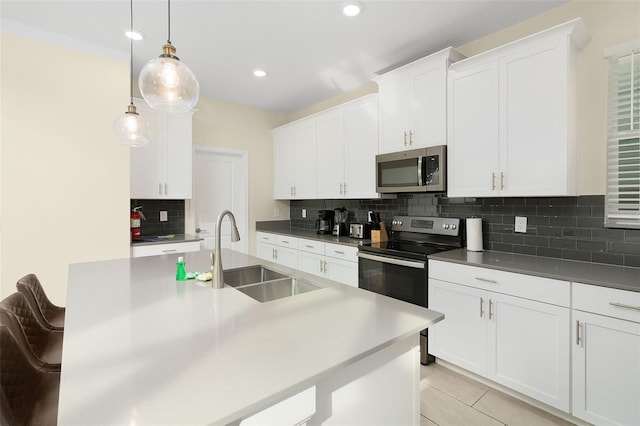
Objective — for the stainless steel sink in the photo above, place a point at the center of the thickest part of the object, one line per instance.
(250, 275)
(277, 289)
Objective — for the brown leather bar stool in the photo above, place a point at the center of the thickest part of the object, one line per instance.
(28, 395)
(50, 315)
(44, 344)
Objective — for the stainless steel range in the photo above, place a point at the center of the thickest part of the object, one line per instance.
(398, 268)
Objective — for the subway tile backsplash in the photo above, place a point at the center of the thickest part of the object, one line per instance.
(559, 227)
(152, 208)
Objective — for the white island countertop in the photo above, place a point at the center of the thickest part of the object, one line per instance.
(143, 349)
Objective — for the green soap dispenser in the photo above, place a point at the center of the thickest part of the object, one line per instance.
(181, 272)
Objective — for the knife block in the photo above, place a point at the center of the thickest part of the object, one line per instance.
(379, 235)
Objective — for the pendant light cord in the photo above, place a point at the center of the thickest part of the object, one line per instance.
(169, 21)
(131, 54)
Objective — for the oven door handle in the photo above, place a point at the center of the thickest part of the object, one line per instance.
(392, 260)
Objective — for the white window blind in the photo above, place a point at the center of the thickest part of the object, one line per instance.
(622, 204)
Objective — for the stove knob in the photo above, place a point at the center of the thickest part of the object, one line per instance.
(394, 222)
(445, 226)
(453, 226)
(400, 222)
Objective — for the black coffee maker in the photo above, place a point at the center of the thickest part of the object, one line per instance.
(324, 224)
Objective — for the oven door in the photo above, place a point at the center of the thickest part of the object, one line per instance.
(402, 279)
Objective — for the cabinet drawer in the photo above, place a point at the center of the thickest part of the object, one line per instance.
(263, 237)
(311, 246)
(287, 241)
(612, 302)
(521, 285)
(340, 251)
(156, 249)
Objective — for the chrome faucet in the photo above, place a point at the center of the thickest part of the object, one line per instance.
(217, 280)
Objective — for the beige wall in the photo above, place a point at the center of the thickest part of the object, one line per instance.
(227, 125)
(609, 23)
(64, 184)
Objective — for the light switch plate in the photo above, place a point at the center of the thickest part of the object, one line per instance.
(521, 224)
(163, 216)
(304, 213)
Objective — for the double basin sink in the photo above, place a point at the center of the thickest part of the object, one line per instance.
(264, 284)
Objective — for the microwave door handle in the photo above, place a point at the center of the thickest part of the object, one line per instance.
(420, 171)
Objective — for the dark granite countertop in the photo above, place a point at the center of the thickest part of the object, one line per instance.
(620, 277)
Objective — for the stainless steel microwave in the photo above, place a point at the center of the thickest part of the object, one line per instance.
(417, 170)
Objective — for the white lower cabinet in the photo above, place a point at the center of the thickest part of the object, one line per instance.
(293, 411)
(277, 249)
(170, 248)
(606, 355)
(510, 328)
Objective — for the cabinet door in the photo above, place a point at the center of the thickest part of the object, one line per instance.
(343, 271)
(178, 160)
(462, 337)
(429, 107)
(311, 263)
(283, 162)
(536, 145)
(473, 156)
(331, 161)
(395, 104)
(606, 369)
(287, 257)
(265, 251)
(145, 161)
(305, 159)
(528, 348)
(360, 149)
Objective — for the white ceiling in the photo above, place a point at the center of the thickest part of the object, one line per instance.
(310, 51)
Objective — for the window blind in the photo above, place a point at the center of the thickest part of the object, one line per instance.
(622, 204)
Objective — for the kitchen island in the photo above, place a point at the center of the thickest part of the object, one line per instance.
(141, 348)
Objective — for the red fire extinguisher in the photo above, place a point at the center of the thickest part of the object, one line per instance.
(136, 215)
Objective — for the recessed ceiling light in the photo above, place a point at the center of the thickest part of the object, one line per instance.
(259, 73)
(352, 9)
(135, 35)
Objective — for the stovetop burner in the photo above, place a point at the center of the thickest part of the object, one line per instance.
(418, 237)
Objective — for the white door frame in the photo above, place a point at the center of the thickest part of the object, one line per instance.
(190, 205)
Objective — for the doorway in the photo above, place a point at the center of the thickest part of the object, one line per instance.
(220, 182)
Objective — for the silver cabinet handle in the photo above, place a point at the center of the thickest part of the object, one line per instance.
(410, 137)
(265, 238)
(486, 280)
(169, 251)
(285, 241)
(199, 230)
(405, 138)
(578, 333)
(341, 191)
(159, 188)
(308, 246)
(321, 270)
(165, 189)
(622, 305)
(481, 307)
(490, 308)
(502, 180)
(325, 267)
(338, 252)
(345, 188)
(291, 191)
(493, 181)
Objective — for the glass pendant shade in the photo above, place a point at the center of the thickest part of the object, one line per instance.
(132, 129)
(168, 84)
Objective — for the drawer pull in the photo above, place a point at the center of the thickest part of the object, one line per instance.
(578, 333)
(481, 307)
(168, 251)
(486, 280)
(308, 246)
(338, 252)
(285, 241)
(490, 309)
(622, 305)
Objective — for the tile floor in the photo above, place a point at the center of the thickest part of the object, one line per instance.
(450, 399)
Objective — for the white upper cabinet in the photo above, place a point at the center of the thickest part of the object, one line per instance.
(329, 155)
(413, 103)
(512, 120)
(294, 160)
(162, 168)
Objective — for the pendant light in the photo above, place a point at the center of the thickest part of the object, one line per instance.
(131, 129)
(166, 83)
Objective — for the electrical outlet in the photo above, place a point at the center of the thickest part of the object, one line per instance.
(163, 216)
(304, 213)
(521, 224)
(276, 212)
